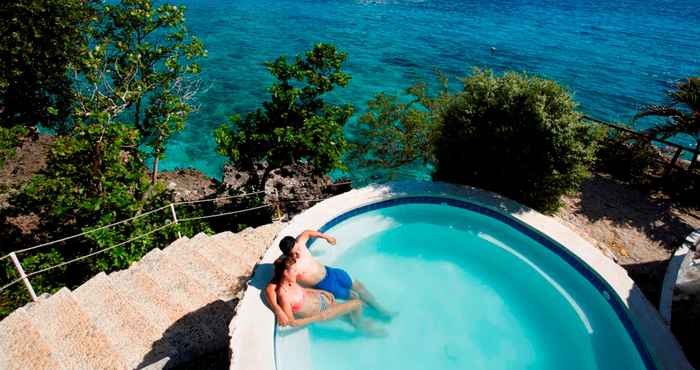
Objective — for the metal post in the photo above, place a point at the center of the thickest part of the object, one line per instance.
(278, 213)
(671, 165)
(23, 276)
(172, 209)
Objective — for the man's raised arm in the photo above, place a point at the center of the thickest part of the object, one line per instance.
(306, 235)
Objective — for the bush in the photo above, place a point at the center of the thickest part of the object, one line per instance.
(627, 158)
(393, 140)
(296, 124)
(517, 135)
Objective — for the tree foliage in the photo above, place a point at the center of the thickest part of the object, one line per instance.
(296, 124)
(94, 177)
(143, 68)
(10, 139)
(394, 137)
(130, 85)
(517, 135)
(682, 115)
(39, 40)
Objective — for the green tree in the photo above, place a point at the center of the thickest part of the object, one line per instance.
(144, 64)
(395, 138)
(296, 124)
(10, 138)
(682, 114)
(94, 177)
(518, 135)
(39, 40)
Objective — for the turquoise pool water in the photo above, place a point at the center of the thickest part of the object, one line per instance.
(471, 293)
(614, 55)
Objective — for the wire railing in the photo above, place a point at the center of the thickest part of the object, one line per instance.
(678, 148)
(24, 276)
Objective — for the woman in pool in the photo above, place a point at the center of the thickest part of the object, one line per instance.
(307, 305)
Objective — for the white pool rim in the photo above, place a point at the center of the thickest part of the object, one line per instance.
(252, 329)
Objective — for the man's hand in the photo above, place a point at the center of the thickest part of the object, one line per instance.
(330, 240)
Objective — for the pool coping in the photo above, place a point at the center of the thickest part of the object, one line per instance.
(252, 329)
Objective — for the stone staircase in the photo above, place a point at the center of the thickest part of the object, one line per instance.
(164, 311)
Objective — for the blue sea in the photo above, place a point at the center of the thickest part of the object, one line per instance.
(615, 56)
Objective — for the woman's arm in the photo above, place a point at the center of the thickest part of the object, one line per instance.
(271, 296)
(287, 310)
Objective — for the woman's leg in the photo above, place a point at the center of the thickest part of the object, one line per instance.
(367, 297)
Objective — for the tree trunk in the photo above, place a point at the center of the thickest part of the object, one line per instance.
(137, 115)
(154, 175)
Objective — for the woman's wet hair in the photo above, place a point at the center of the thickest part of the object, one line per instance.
(281, 265)
(286, 244)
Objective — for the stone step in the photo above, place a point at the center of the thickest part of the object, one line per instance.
(177, 341)
(130, 331)
(240, 251)
(74, 339)
(254, 241)
(204, 270)
(21, 345)
(187, 291)
(201, 328)
(222, 257)
(144, 294)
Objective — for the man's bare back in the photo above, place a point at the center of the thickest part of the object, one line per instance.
(311, 272)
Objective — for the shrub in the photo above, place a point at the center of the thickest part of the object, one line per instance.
(296, 124)
(517, 135)
(393, 140)
(627, 158)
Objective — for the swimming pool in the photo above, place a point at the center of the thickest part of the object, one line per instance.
(474, 289)
(564, 271)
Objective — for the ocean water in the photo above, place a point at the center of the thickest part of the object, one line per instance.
(469, 292)
(613, 55)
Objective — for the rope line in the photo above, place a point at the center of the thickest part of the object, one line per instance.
(130, 219)
(28, 275)
(91, 231)
(97, 252)
(221, 198)
(225, 213)
(10, 284)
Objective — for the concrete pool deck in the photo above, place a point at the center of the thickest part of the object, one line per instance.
(252, 329)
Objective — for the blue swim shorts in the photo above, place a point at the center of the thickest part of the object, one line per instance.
(337, 282)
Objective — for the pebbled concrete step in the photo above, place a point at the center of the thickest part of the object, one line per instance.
(204, 271)
(254, 242)
(187, 291)
(244, 253)
(21, 345)
(75, 340)
(179, 339)
(223, 258)
(206, 315)
(129, 330)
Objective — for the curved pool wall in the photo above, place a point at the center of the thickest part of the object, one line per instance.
(253, 328)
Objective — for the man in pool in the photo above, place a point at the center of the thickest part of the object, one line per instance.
(313, 274)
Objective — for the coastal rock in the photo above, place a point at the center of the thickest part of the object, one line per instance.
(188, 184)
(293, 188)
(296, 188)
